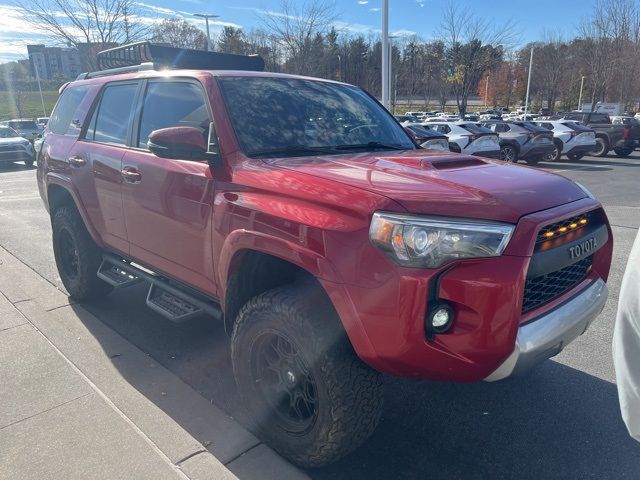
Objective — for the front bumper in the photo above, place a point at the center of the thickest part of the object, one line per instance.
(16, 155)
(547, 335)
(581, 149)
(539, 151)
(488, 154)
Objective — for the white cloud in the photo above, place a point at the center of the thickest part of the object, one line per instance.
(421, 3)
(363, 2)
(374, 9)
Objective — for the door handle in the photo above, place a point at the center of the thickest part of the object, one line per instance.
(77, 161)
(131, 175)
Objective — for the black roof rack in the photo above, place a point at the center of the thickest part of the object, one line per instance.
(148, 56)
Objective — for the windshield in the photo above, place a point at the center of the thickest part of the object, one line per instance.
(24, 125)
(6, 132)
(291, 115)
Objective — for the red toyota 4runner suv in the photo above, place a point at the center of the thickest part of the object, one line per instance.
(301, 214)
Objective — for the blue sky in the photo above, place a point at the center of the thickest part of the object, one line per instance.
(407, 17)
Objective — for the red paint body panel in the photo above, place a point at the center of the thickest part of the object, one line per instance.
(190, 222)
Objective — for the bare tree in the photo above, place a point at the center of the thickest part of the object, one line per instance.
(296, 25)
(178, 33)
(72, 22)
(473, 46)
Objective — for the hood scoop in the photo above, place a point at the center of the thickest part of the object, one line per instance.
(453, 163)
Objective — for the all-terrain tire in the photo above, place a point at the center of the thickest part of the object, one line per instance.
(348, 393)
(623, 152)
(77, 256)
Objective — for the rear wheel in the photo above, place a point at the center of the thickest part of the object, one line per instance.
(623, 152)
(311, 398)
(602, 147)
(554, 156)
(77, 256)
(508, 153)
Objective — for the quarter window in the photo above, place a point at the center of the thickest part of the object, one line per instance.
(172, 104)
(62, 121)
(110, 121)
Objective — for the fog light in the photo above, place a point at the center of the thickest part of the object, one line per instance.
(439, 319)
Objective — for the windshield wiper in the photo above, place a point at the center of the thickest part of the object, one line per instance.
(290, 149)
(372, 146)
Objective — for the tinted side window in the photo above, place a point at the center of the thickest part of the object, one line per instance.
(599, 118)
(110, 121)
(62, 117)
(172, 104)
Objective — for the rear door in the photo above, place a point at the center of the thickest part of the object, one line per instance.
(97, 158)
(168, 203)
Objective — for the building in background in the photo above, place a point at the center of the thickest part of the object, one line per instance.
(54, 62)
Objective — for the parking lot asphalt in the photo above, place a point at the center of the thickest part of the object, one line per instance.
(561, 421)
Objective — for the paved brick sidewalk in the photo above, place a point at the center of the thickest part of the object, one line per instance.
(78, 401)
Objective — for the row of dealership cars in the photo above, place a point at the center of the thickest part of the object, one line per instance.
(19, 139)
(573, 135)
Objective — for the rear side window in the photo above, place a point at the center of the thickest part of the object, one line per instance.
(441, 128)
(110, 121)
(172, 104)
(532, 127)
(471, 128)
(63, 121)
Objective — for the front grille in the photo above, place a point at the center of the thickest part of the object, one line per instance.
(567, 226)
(544, 288)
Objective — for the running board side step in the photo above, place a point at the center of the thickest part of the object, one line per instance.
(164, 297)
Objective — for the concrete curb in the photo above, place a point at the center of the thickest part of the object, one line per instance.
(194, 435)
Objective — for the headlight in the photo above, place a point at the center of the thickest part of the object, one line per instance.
(415, 241)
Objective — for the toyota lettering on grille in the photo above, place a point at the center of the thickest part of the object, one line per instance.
(583, 248)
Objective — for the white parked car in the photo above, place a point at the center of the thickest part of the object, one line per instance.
(468, 137)
(571, 138)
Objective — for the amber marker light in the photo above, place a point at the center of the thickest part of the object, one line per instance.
(583, 221)
(548, 234)
(562, 229)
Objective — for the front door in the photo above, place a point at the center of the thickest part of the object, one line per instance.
(168, 203)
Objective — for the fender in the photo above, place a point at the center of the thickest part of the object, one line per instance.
(311, 262)
(53, 178)
(306, 259)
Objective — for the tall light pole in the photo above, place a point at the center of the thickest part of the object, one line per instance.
(486, 91)
(526, 101)
(391, 103)
(206, 17)
(580, 97)
(385, 53)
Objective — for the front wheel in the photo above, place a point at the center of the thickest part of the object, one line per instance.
(77, 256)
(623, 152)
(602, 147)
(508, 153)
(310, 397)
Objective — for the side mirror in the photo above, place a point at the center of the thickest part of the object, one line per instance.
(183, 143)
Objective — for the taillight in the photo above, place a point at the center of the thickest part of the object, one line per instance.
(627, 133)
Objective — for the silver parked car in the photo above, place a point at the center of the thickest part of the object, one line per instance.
(26, 128)
(14, 148)
(522, 141)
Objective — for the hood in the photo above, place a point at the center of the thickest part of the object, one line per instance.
(444, 184)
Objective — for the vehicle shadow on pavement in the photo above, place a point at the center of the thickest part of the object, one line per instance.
(558, 422)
